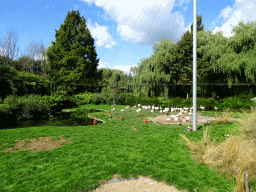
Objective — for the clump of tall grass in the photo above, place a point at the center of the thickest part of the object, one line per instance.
(233, 155)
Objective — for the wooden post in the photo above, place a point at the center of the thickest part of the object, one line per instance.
(246, 179)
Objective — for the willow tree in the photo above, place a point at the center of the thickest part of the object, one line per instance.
(152, 70)
(239, 57)
(211, 48)
(73, 57)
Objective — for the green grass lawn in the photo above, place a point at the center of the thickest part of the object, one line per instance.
(98, 152)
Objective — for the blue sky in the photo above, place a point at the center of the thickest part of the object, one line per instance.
(124, 31)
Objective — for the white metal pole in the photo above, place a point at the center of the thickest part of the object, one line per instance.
(194, 67)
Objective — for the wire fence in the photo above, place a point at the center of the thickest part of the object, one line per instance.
(172, 90)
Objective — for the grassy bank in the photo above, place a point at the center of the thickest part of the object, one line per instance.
(79, 158)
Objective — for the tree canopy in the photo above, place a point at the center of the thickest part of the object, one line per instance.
(73, 56)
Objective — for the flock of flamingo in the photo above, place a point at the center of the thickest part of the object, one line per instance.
(182, 112)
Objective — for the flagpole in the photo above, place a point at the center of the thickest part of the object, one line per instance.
(194, 67)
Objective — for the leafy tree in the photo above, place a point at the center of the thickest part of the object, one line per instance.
(210, 49)
(239, 57)
(73, 56)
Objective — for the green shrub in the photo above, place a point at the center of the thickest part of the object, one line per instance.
(59, 99)
(26, 106)
(120, 99)
(130, 99)
(176, 102)
(96, 99)
(14, 104)
(33, 106)
(82, 98)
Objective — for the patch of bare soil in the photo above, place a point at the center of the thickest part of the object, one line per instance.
(145, 184)
(168, 119)
(39, 144)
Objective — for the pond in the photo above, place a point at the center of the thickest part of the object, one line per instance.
(64, 118)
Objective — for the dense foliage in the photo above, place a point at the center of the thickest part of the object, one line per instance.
(73, 55)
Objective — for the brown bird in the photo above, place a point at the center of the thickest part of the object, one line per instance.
(137, 115)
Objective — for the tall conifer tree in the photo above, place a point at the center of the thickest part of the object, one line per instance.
(72, 58)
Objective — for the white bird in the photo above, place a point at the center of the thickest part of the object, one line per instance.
(157, 108)
(126, 107)
(202, 107)
(152, 110)
(139, 105)
(134, 106)
(173, 116)
(138, 110)
(187, 118)
(153, 107)
(122, 110)
(160, 107)
(189, 128)
(166, 111)
(161, 111)
(190, 113)
(172, 110)
(113, 109)
(168, 119)
(176, 118)
(216, 108)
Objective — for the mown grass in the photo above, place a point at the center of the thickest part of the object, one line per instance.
(128, 148)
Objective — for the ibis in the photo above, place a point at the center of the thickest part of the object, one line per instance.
(202, 107)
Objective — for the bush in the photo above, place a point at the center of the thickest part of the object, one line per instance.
(25, 107)
(33, 106)
(60, 99)
(120, 99)
(96, 99)
(130, 99)
(82, 98)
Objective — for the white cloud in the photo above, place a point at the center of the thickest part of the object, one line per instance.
(243, 10)
(225, 13)
(104, 39)
(103, 65)
(134, 22)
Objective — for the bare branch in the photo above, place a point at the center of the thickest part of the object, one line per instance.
(8, 48)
